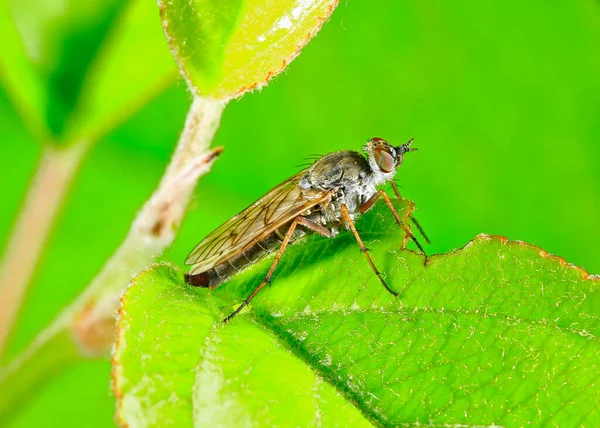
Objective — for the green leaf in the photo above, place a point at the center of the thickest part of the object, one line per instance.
(227, 48)
(133, 66)
(77, 69)
(205, 364)
(61, 39)
(495, 333)
(20, 79)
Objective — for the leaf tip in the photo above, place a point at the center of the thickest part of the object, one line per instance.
(287, 60)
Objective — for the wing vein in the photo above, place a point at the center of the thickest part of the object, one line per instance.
(278, 207)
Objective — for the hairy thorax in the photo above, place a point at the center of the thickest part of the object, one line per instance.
(352, 180)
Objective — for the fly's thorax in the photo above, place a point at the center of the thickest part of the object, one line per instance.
(351, 179)
(353, 197)
(336, 170)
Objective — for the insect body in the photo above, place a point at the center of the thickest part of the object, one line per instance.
(328, 196)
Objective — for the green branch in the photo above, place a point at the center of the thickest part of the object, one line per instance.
(86, 327)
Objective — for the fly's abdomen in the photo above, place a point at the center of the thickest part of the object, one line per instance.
(220, 273)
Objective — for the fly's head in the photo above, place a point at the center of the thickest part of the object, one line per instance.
(384, 158)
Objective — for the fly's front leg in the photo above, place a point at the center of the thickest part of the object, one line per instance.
(367, 205)
(414, 220)
(396, 192)
(317, 228)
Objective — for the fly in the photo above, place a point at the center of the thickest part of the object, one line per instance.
(327, 196)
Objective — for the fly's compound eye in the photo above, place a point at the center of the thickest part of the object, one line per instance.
(385, 161)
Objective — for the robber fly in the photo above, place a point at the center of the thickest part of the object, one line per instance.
(328, 195)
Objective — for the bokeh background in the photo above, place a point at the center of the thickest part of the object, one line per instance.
(502, 98)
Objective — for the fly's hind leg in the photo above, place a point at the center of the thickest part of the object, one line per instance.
(412, 218)
(317, 228)
(348, 223)
(367, 205)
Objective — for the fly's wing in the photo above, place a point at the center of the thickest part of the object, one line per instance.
(278, 207)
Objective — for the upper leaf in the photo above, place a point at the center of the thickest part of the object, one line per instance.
(61, 40)
(77, 70)
(20, 79)
(494, 333)
(225, 48)
(133, 66)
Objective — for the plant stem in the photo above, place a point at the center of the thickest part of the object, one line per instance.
(89, 321)
(153, 230)
(32, 229)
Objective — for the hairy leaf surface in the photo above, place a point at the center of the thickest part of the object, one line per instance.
(495, 333)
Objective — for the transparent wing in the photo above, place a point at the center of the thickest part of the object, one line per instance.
(278, 207)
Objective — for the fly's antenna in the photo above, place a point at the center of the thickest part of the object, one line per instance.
(405, 148)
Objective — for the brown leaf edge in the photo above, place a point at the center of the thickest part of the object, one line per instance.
(505, 241)
(116, 367)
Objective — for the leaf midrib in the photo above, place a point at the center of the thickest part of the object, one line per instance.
(294, 346)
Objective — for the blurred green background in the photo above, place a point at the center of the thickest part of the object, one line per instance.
(502, 98)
